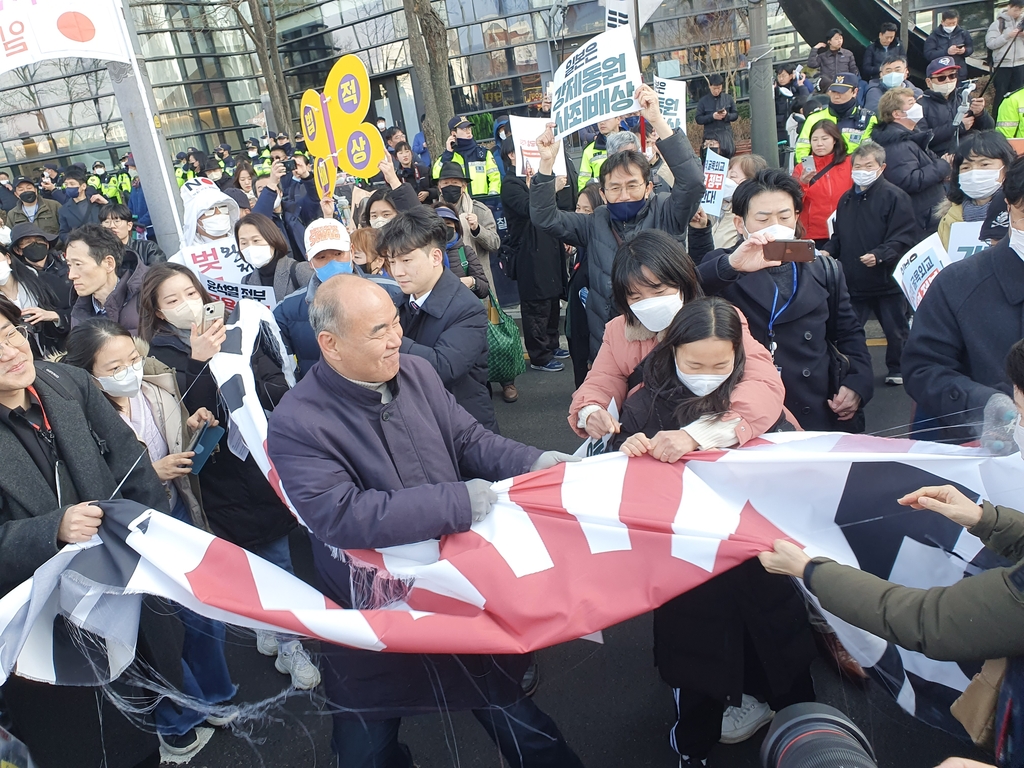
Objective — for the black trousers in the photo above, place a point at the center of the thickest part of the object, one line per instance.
(577, 328)
(891, 312)
(540, 329)
(1008, 80)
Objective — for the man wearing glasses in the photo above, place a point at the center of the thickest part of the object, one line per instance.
(940, 103)
(63, 448)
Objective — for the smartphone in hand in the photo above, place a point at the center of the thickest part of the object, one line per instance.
(211, 313)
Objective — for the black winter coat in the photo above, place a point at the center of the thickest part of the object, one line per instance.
(912, 167)
(880, 221)
(742, 601)
(938, 42)
(148, 252)
(706, 108)
(938, 118)
(539, 257)
(875, 56)
(450, 332)
(802, 352)
(955, 358)
(786, 105)
(239, 502)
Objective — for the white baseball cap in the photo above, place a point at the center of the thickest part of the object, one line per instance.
(325, 235)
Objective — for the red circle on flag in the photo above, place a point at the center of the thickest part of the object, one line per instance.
(76, 26)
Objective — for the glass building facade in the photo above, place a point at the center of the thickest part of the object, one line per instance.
(205, 73)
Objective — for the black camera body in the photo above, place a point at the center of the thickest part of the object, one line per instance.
(289, 165)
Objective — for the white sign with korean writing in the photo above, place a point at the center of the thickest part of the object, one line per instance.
(672, 101)
(525, 131)
(715, 168)
(230, 293)
(38, 30)
(965, 240)
(916, 271)
(596, 83)
(219, 260)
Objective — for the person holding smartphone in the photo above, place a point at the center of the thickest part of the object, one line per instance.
(790, 307)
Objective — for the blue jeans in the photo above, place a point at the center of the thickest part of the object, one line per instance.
(205, 675)
(527, 737)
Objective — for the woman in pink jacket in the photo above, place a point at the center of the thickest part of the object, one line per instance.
(652, 277)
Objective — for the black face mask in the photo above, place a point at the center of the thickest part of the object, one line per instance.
(34, 252)
(842, 110)
(28, 197)
(451, 193)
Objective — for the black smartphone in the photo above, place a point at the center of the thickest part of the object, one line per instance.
(789, 250)
(289, 165)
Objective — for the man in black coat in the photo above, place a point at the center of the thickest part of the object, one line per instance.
(954, 361)
(888, 44)
(910, 165)
(443, 322)
(81, 206)
(950, 39)
(941, 102)
(716, 110)
(874, 228)
(50, 412)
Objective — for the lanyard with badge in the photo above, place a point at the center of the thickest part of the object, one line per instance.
(46, 433)
(773, 316)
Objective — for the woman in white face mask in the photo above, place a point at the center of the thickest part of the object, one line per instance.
(145, 393)
(265, 249)
(652, 278)
(976, 187)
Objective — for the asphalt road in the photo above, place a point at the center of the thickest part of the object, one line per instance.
(608, 699)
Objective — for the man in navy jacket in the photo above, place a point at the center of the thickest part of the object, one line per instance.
(374, 452)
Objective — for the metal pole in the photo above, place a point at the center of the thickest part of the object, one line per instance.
(142, 124)
(762, 99)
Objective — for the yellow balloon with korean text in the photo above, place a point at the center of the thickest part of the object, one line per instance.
(358, 146)
(325, 174)
(315, 130)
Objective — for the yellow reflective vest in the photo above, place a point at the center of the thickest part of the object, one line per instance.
(1010, 120)
(591, 162)
(484, 177)
(855, 127)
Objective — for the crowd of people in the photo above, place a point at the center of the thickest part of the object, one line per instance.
(683, 335)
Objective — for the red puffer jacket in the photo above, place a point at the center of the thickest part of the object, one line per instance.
(821, 199)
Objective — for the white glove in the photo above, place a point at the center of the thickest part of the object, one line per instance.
(549, 459)
(481, 498)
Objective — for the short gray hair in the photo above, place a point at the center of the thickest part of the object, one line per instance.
(325, 310)
(620, 140)
(869, 149)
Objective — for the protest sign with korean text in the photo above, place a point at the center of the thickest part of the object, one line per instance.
(37, 30)
(916, 271)
(596, 83)
(525, 131)
(219, 260)
(230, 293)
(965, 240)
(715, 168)
(671, 101)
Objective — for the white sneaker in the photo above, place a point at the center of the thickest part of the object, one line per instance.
(266, 642)
(296, 662)
(742, 722)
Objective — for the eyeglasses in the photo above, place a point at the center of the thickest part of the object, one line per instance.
(632, 188)
(221, 209)
(122, 373)
(16, 337)
(943, 78)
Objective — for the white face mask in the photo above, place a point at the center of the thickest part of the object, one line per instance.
(217, 225)
(183, 315)
(864, 178)
(378, 223)
(656, 313)
(980, 184)
(214, 175)
(779, 232)
(949, 30)
(728, 187)
(915, 113)
(945, 88)
(258, 255)
(129, 386)
(5, 271)
(701, 384)
(1018, 437)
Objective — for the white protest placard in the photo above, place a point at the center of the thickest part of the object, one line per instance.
(219, 260)
(916, 271)
(672, 101)
(525, 131)
(596, 83)
(965, 240)
(715, 168)
(230, 293)
(36, 31)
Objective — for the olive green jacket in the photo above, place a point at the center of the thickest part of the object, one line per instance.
(981, 617)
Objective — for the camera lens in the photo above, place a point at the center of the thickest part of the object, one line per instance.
(815, 735)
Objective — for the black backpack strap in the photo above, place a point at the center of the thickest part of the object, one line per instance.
(832, 286)
(70, 392)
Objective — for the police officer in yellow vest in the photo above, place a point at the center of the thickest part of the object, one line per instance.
(476, 161)
(181, 170)
(854, 122)
(107, 184)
